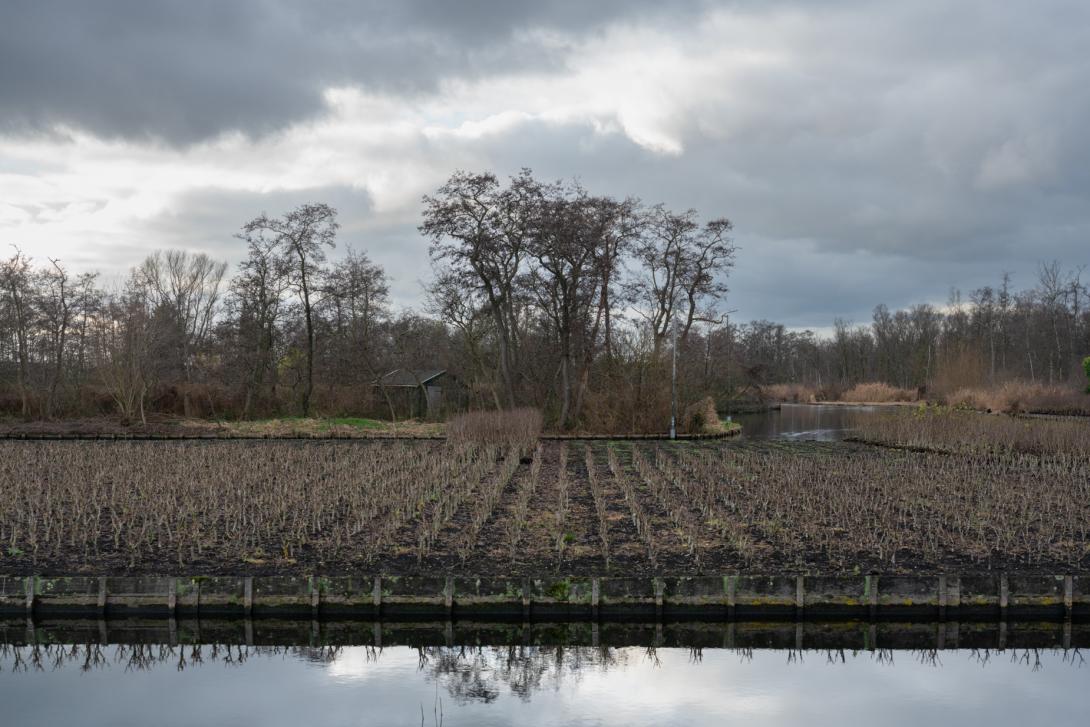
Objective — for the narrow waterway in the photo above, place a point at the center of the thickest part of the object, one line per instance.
(815, 422)
(472, 684)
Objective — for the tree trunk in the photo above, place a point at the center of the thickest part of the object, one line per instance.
(308, 381)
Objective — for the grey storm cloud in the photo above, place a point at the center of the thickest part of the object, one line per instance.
(902, 148)
(185, 71)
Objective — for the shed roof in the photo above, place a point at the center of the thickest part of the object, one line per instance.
(411, 377)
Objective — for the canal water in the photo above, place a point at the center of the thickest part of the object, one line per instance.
(820, 422)
(153, 684)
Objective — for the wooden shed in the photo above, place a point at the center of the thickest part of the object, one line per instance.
(421, 393)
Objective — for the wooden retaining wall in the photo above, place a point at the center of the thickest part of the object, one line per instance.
(728, 597)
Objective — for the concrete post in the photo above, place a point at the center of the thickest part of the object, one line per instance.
(594, 586)
(172, 596)
(31, 587)
(102, 596)
(1069, 597)
(942, 598)
(376, 596)
(871, 588)
(800, 595)
(248, 595)
(315, 596)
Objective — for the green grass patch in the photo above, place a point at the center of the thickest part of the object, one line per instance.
(357, 422)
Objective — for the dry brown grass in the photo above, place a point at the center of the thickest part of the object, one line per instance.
(855, 508)
(517, 428)
(234, 503)
(961, 431)
(876, 392)
(158, 424)
(1016, 397)
(429, 507)
(793, 393)
(700, 417)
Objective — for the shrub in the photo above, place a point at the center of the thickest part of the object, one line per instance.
(966, 398)
(1018, 397)
(795, 393)
(515, 427)
(700, 417)
(1086, 369)
(877, 391)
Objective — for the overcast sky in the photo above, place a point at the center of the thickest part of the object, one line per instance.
(867, 152)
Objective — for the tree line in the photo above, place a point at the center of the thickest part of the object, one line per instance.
(543, 294)
(995, 334)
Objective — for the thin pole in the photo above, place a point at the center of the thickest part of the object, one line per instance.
(673, 382)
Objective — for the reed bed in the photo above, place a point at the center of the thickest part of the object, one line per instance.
(1016, 397)
(969, 432)
(641, 521)
(434, 507)
(561, 536)
(236, 503)
(519, 428)
(601, 509)
(845, 508)
(515, 525)
(877, 392)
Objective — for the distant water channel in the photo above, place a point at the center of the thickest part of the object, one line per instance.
(814, 422)
(151, 683)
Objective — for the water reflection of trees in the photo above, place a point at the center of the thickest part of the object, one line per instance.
(476, 673)
(480, 673)
(140, 657)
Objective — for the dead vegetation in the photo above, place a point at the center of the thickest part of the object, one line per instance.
(701, 417)
(1017, 397)
(631, 508)
(949, 430)
(519, 428)
(288, 427)
(233, 503)
(793, 393)
(859, 507)
(876, 392)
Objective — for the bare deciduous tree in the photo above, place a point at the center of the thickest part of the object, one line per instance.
(15, 285)
(301, 237)
(683, 264)
(183, 288)
(480, 230)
